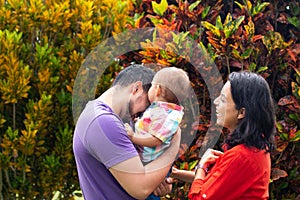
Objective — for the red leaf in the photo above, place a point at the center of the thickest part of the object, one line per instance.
(287, 100)
(292, 55)
(257, 37)
(268, 26)
(277, 173)
(236, 64)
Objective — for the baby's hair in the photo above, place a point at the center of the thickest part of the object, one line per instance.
(174, 82)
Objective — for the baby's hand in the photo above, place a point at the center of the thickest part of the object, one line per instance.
(129, 130)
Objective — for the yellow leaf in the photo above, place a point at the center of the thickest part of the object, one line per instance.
(160, 8)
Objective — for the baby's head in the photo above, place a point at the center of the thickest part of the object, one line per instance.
(170, 84)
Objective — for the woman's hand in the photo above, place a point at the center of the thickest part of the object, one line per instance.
(209, 157)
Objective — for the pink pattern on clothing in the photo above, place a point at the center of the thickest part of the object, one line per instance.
(160, 120)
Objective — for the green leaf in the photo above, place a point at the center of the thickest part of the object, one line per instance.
(228, 19)
(205, 12)
(182, 165)
(238, 22)
(236, 54)
(160, 8)
(294, 117)
(284, 136)
(211, 52)
(193, 164)
(260, 8)
(203, 50)
(155, 21)
(294, 21)
(240, 5)
(231, 27)
(184, 35)
(279, 127)
(211, 27)
(274, 40)
(296, 137)
(296, 89)
(227, 32)
(175, 38)
(194, 5)
(12, 134)
(247, 53)
(219, 24)
(252, 67)
(261, 69)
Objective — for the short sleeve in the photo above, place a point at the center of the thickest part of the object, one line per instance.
(108, 141)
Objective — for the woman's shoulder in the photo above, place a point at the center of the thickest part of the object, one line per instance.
(244, 149)
(244, 154)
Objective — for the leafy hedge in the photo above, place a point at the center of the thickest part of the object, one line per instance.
(43, 44)
(260, 36)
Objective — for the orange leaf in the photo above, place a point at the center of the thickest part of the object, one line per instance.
(163, 62)
(292, 55)
(281, 145)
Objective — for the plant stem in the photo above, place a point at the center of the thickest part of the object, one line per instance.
(7, 178)
(293, 148)
(227, 63)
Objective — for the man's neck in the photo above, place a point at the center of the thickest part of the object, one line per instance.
(113, 98)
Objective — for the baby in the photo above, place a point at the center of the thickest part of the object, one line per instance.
(154, 130)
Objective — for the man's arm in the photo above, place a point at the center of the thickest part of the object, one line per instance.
(138, 180)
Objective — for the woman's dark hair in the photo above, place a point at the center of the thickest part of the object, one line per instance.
(251, 92)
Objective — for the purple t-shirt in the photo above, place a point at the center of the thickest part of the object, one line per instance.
(100, 142)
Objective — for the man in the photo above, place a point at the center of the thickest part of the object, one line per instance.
(108, 164)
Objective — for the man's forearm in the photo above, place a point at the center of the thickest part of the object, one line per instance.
(138, 180)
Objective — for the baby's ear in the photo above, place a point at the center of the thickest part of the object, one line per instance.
(157, 90)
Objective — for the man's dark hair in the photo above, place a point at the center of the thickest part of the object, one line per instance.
(134, 73)
(257, 128)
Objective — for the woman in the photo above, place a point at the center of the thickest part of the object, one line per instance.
(246, 109)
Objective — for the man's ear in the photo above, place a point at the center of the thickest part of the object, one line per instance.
(137, 88)
(241, 113)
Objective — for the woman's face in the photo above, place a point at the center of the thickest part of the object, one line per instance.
(227, 114)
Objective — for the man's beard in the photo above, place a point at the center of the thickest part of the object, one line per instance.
(128, 113)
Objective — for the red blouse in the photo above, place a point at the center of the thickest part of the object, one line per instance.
(240, 173)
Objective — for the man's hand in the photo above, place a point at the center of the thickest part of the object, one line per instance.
(164, 188)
